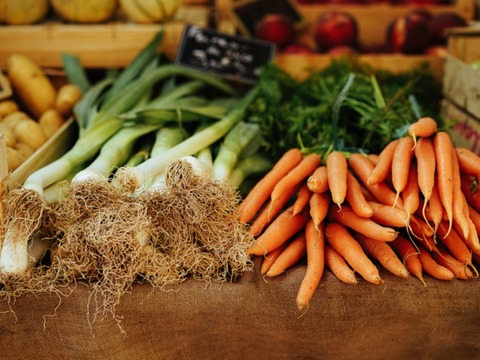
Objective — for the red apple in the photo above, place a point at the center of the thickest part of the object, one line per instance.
(276, 28)
(335, 28)
(441, 22)
(409, 34)
(437, 50)
(297, 48)
(341, 50)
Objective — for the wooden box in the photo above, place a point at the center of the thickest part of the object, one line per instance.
(112, 44)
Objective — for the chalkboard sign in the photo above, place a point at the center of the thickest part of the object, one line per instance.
(234, 57)
(248, 13)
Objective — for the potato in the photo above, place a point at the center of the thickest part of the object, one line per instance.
(23, 12)
(14, 118)
(30, 84)
(9, 135)
(14, 159)
(24, 149)
(29, 132)
(50, 122)
(84, 11)
(67, 96)
(7, 107)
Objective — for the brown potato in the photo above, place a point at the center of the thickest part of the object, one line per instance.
(29, 132)
(50, 121)
(24, 149)
(14, 159)
(14, 118)
(30, 84)
(7, 107)
(9, 135)
(67, 96)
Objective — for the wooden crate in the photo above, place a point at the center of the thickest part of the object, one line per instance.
(113, 44)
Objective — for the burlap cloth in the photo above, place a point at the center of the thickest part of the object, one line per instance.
(255, 319)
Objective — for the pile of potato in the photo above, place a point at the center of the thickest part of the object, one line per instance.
(32, 109)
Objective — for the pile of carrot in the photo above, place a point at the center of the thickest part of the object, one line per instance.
(412, 209)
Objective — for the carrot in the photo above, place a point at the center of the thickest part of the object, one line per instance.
(409, 256)
(459, 269)
(343, 242)
(454, 243)
(347, 217)
(384, 254)
(337, 169)
(319, 204)
(270, 211)
(388, 216)
(362, 167)
(411, 193)
(356, 198)
(303, 197)
(423, 127)
(474, 217)
(270, 258)
(382, 168)
(469, 162)
(338, 266)
(443, 156)
(432, 267)
(259, 194)
(315, 242)
(279, 231)
(419, 228)
(459, 203)
(435, 208)
(318, 181)
(401, 162)
(373, 158)
(299, 173)
(425, 156)
(291, 255)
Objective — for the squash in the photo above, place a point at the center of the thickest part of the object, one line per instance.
(22, 12)
(150, 11)
(84, 11)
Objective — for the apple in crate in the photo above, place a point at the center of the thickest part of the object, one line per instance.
(276, 28)
(335, 28)
(441, 22)
(297, 48)
(410, 33)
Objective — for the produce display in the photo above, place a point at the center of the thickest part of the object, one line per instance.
(32, 109)
(177, 173)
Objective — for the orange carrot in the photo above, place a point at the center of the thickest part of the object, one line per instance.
(303, 197)
(356, 198)
(382, 168)
(443, 156)
(419, 228)
(283, 227)
(347, 217)
(435, 208)
(262, 190)
(425, 156)
(474, 217)
(384, 254)
(411, 193)
(423, 127)
(337, 169)
(432, 267)
(469, 162)
(343, 242)
(373, 158)
(315, 242)
(388, 216)
(270, 211)
(299, 173)
(402, 159)
(338, 266)
(318, 181)
(409, 256)
(270, 258)
(319, 204)
(362, 167)
(459, 203)
(291, 255)
(454, 243)
(459, 269)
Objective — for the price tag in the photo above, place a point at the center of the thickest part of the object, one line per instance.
(234, 57)
(248, 13)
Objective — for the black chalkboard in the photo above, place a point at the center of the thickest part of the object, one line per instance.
(234, 57)
(248, 13)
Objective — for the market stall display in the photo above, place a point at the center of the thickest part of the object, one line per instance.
(307, 193)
